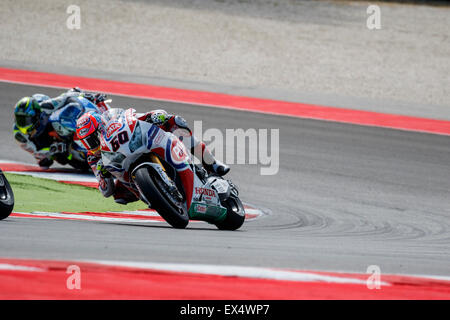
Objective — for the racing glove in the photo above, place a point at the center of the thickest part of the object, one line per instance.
(105, 181)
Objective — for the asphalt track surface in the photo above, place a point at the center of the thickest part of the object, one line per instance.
(345, 197)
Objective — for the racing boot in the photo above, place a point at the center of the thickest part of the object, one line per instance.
(123, 195)
(45, 163)
(217, 167)
(211, 164)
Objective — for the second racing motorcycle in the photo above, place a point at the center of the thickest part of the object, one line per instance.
(156, 165)
(6, 197)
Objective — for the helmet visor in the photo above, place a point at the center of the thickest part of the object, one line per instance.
(25, 122)
(92, 141)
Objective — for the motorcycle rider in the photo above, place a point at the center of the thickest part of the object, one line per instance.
(37, 135)
(91, 125)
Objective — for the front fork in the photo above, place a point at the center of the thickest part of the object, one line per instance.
(163, 173)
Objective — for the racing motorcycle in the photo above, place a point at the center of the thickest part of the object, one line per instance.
(156, 165)
(66, 148)
(6, 197)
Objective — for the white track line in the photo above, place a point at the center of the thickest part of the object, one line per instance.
(235, 271)
(82, 217)
(14, 267)
(58, 176)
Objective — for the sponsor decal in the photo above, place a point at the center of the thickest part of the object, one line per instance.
(113, 127)
(205, 192)
(158, 138)
(200, 208)
(131, 120)
(178, 152)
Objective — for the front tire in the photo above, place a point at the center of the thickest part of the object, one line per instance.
(6, 197)
(235, 214)
(151, 189)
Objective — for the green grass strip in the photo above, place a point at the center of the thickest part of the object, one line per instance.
(36, 194)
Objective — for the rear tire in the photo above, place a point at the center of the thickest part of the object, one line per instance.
(235, 214)
(177, 217)
(6, 197)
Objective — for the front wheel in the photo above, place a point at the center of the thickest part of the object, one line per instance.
(153, 189)
(6, 198)
(235, 214)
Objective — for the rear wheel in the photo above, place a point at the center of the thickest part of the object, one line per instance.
(235, 214)
(6, 198)
(168, 206)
